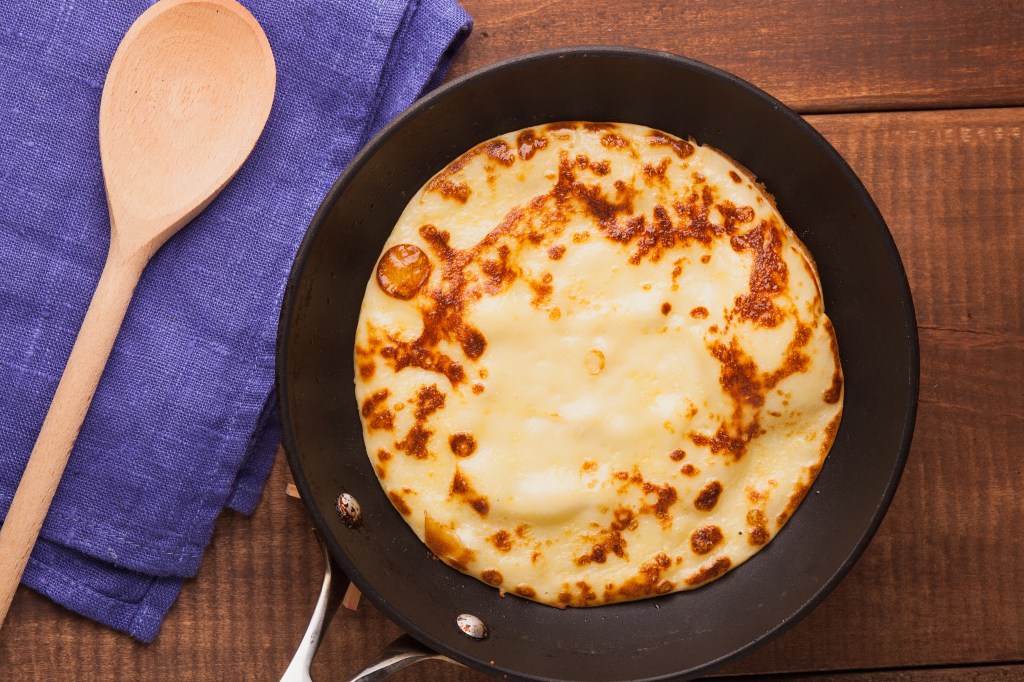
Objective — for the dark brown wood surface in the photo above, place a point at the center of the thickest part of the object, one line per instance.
(937, 594)
(814, 55)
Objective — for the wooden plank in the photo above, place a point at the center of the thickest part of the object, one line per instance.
(949, 185)
(814, 56)
(938, 586)
(986, 673)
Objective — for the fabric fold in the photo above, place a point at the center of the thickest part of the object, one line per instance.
(183, 422)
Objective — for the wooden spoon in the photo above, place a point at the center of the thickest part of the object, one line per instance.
(187, 95)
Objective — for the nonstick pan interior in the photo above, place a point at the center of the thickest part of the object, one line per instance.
(866, 296)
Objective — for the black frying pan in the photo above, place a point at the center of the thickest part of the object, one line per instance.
(866, 295)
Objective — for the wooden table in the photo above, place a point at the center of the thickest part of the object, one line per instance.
(925, 99)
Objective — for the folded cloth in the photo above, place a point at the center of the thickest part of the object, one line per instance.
(182, 423)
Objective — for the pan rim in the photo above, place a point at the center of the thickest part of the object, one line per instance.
(877, 223)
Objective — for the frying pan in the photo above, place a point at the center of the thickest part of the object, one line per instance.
(677, 636)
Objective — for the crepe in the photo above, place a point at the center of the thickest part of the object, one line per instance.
(593, 364)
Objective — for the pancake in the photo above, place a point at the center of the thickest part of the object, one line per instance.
(593, 365)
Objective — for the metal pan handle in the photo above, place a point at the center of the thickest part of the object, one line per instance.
(400, 653)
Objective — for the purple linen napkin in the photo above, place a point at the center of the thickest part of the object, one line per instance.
(182, 424)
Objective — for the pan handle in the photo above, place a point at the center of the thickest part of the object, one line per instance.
(331, 592)
(400, 653)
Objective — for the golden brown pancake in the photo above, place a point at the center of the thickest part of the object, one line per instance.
(593, 365)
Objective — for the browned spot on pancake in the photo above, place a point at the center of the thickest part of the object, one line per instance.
(478, 389)
(556, 252)
(402, 354)
(624, 519)
(677, 455)
(596, 127)
(682, 148)
(402, 271)
(565, 598)
(689, 470)
(525, 591)
(741, 380)
(462, 488)
(654, 238)
(758, 534)
(522, 530)
(376, 414)
(795, 359)
(601, 167)
(528, 142)
(371, 404)
(446, 186)
(666, 497)
(443, 542)
(400, 504)
(609, 542)
(502, 540)
(723, 441)
(615, 141)
(535, 557)
(498, 272)
(735, 176)
(415, 442)
(706, 258)
(705, 539)
(462, 444)
(541, 290)
(738, 376)
(769, 276)
(799, 493)
(580, 237)
(666, 308)
(366, 370)
(382, 472)
(707, 498)
(711, 571)
(492, 577)
(443, 185)
(835, 389)
(733, 215)
(677, 269)
(428, 401)
(587, 593)
(646, 582)
(829, 435)
(629, 477)
(699, 313)
(654, 173)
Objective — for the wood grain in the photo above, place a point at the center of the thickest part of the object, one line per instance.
(985, 673)
(814, 56)
(940, 584)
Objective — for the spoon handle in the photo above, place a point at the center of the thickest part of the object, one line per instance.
(64, 419)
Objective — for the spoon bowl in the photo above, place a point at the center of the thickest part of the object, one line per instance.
(186, 97)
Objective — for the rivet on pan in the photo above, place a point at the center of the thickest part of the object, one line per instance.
(349, 510)
(472, 626)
